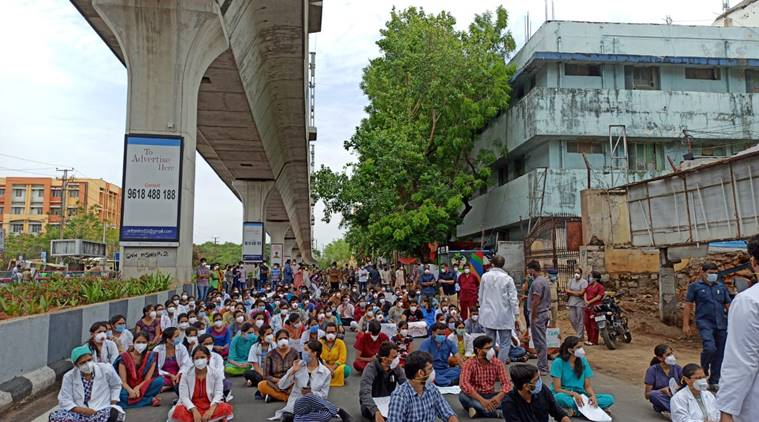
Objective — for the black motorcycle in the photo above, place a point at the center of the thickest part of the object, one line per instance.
(611, 323)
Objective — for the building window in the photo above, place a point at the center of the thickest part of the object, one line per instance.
(645, 157)
(708, 74)
(55, 192)
(38, 193)
(18, 193)
(35, 228)
(55, 210)
(503, 175)
(35, 210)
(74, 193)
(2, 192)
(17, 210)
(575, 69)
(17, 228)
(638, 77)
(752, 81)
(71, 211)
(585, 147)
(713, 151)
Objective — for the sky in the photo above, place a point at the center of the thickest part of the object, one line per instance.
(63, 92)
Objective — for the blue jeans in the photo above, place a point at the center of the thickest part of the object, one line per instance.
(713, 341)
(503, 339)
(469, 402)
(202, 292)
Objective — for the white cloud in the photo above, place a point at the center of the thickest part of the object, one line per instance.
(63, 92)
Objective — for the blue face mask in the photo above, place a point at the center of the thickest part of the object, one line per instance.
(177, 341)
(306, 357)
(440, 338)
(314, 329)
(711, 277)
(538, 386)
(120, 328)
(250, 336)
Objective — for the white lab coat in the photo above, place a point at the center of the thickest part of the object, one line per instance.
(499, 300)
(468, 343)
(739, 385)
(109, 353)
(685, 408)
(214, 387)
(181, 353)
(318, 382)
(168, 321)
(106, 387)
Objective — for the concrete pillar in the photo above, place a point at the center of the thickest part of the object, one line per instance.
(167, 46)
(277, 230)
(253, 195)
(667, 289)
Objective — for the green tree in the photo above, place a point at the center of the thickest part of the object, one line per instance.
(336, 251)
(430, 91)
(221, 253)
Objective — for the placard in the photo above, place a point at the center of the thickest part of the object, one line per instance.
(417, 329)
(276, 254)
(553, 338)
(152, 186)
(389, 329)
(252, 241)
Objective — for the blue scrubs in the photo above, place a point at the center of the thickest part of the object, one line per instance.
(445, 375)
(711, 321)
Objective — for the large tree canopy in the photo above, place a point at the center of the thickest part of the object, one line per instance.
(430, 91)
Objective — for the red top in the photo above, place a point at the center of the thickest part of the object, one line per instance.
(200, 396)
(367, 346)
(481, 377)
(469, 287)
(593, 290)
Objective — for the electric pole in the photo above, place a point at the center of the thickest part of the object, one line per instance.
(64, 195)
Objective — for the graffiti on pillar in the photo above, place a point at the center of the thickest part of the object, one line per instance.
(150, 257)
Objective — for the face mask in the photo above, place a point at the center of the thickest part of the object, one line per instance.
(176, 301)
(394, 364)
(701, 385)
(439, 338)
(314, 329)
(100, 337)
(184, 325)
(374, 337)
(404, 332)
(452, 326)
(711, 278)
(426, 271)
(577, 276)
(461, 332)
(87, 368)
(259, 323)
(538, 386)
(670, 360)
(140, 347)
(474, 317)
(120, 328)
(431, 378)
(177, 341)
(269, 338)
(490, 354)
(320, 316)
(282, 343)
(466, 270)
(240, 319)
(413, 309)
(171, 310)
(250, 336)
(202, 314)
(152, 314)
(218, 323)
(262, 308)
(306, 357)
(201, 331)
(201, 363)
(192, 340)
(579, 353)
(331, 337)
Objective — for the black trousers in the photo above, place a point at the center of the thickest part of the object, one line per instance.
(253, 376)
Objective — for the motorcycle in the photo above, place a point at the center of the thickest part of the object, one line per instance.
(612, 324)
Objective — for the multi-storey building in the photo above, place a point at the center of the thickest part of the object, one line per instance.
(667, 92)
(29, 204)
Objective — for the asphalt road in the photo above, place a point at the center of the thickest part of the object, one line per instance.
(630, 405)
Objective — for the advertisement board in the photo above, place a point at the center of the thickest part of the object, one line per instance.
(276, 253)
(252, 241)
(152, 186)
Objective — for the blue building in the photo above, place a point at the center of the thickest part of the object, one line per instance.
(581, 89)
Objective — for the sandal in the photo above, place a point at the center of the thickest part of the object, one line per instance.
(156, 402)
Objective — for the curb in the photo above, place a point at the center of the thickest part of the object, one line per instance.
(31, 383)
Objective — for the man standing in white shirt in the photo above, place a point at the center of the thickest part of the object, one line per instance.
(739, 383)
(499, 306)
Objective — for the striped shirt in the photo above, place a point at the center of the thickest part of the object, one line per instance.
(407, 406)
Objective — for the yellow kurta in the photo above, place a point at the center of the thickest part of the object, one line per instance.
(337, 355)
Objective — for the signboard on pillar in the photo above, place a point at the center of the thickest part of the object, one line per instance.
(152, 187)
(276, 253)
(252, 242)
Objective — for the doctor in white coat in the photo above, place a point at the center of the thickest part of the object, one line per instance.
(212, 407)
(738, 397)
(694, 403)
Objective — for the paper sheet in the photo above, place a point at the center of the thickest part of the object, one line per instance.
(383, 404)
(454, 389)
(595, 414)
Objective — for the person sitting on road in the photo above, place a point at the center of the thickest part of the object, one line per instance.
(363, 322)
(311, 333)
(429, 313)
(571, 374)
(239, 319)
(215, 362)
(276, 364)
(201, 392)
(417, 400)
(529, 400)
(191, 339)
(335, 356)
(447, 370)
(403, 341)
(222, 336)
(694, 402)
(87, 391)
(121, 335)
(462, 339)
(663, 368)
(379, 379)
(294, 328)
(172, 357)
(138, 371)
(169, 315)
(478, 377)
(471, 324)
(239, 349)
(413, 313)
(395, 313)
(150, 324)
(183, 323)
(257, 358)
(103, 350)
(368, 345)
(308, 380)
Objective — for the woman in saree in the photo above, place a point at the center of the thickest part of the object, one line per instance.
(140, 383)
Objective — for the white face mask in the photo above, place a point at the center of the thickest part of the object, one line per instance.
(193, 320)
(670, 360)
(100, 337)
(218, 323)
(431, 378)
(490, 354)
(140, 347)
(259, 323)
(192, 340)
(394, 364)
(580, 353)
(331, 337)
(201, 363)
(269, 338)
(412, 309)
(171, 309)
(282, 343)
(184, 325)
(152, 314)
(240, 319)
(87, 368)
(701, 385)
(475, 317)
(466, 270)
(404, 332)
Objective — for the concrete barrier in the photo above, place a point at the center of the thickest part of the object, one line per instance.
(34, 350)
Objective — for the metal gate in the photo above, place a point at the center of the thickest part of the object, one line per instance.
(555, 243)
